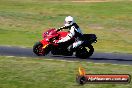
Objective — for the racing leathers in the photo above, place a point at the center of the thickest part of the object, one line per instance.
(74, 31)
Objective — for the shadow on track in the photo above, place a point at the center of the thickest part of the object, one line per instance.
(74, 58)
(109, 59)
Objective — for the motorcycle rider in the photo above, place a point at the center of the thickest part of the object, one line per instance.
(74, 31)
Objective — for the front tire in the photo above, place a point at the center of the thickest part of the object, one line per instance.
(38, 49)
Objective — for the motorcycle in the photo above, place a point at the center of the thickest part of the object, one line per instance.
(50, 37)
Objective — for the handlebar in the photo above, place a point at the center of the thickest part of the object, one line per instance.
(58, 30)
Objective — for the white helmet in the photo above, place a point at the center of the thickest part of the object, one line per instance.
(69, 21)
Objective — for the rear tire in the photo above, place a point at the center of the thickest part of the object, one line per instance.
(83, 53)
(91, 50)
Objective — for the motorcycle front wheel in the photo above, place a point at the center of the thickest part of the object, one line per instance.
(38, 49)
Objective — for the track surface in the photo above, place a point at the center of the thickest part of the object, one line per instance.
(115, 58)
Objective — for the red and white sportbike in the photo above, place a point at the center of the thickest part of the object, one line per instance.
(51, 36)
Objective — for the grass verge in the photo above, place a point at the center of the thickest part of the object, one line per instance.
(16, 72)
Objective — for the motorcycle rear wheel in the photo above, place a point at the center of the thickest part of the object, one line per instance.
(83, 53)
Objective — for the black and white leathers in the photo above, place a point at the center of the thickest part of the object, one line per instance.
(74, 31)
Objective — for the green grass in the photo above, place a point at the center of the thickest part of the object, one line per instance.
(16, 72)
(22, 22)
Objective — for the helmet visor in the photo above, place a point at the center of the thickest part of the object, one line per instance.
(67, 23)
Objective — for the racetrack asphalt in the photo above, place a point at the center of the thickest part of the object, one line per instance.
(114, 58)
